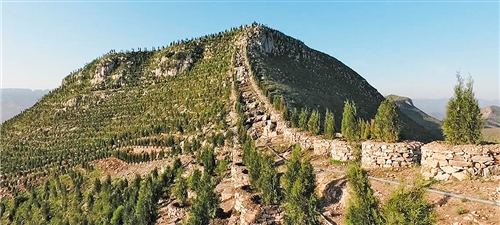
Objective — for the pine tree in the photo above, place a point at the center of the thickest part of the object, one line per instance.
(362, 208)
(303, 118)
(301, 201)
(365, 130)
(329, 125)
(205, 204)
(295, 118)
(313, 123)
(180, 189)
(145, 209)
(350, 126)
(269, 183)
(387, 126)
(463, 122)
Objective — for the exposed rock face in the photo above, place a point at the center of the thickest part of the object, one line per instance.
(173, 63)
(104, 69)
(442, 161)
(380, 154)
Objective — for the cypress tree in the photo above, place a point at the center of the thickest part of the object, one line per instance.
(295, 118)
(313, 123)
(350, 126)
(387, 126)
(362, 208)
(269, 183)
(180, 189)
(303, 118)
(463, 122)
(329, 125)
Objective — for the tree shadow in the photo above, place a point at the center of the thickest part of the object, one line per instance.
(333, 192)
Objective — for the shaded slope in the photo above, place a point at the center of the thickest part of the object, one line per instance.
(491, 116)
(304, 77)
(423, 119)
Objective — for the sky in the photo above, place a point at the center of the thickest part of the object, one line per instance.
(408, 48)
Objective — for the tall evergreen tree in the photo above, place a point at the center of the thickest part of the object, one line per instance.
(463, 122)
(329, 125)
(313, 123)
(350, 126)
(303, 118)
(295, 118)
(145, 209)
(180, 189)
(269, 182)
(387, 126)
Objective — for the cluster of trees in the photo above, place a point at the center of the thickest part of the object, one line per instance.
(77, 198)
(407, 205)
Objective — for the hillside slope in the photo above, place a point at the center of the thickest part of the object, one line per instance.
(306, 78)
(420, 117)
(491, 116)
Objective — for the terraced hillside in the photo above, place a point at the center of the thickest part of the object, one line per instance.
(156, 97)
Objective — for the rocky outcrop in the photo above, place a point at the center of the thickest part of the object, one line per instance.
(387, 155)
(105, 68)
(443, 161)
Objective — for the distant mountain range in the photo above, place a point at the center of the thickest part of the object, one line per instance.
(14, 100)
(491, 116)
(437, 107)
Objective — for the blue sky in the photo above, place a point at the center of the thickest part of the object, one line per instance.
(408, 48)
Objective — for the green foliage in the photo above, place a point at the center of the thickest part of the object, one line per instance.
(181, 189)
(365, 127)
(408, 205)
(269, 183)
(313, 123)
(463, 122)
(303, 119)
(145, 209)
(350, 126)
(387, 127)
(195, 179)
(301, 202)
(295, 118)
(208, 160)
(362, 207)
(329, 125)
(205, 204)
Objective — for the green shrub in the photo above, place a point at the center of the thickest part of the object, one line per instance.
(329, 125)
(408, 205)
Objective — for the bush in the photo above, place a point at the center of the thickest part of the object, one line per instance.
(463, 123)
(408, 205)
(387, 126)
(295, 118)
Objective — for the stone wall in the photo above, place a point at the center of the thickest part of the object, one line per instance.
(386, 155)
(442, 161)
(337, 149)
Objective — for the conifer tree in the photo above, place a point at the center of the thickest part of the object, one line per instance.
(269, 182)
(145, 210)
(350, 126)
(408, 205)
(303, 118)
(362, 208)
(329, 125)
(313, 123)
(463, 122)
(295, 118)
(387, 126)
(180, 189)
(301, 200)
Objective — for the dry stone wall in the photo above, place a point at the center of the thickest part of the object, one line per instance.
(387, 155)
(443, 161)
(337, 149)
